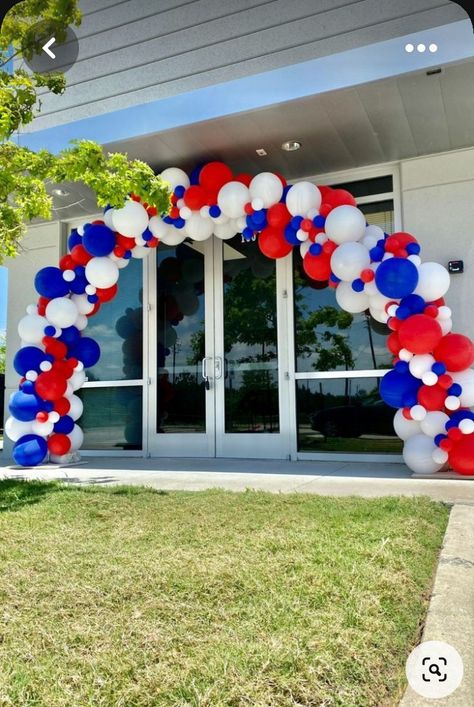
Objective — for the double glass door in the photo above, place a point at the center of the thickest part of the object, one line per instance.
(217, 358)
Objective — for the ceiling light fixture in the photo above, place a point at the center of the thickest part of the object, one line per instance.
(291, 145)
(60, 192)
(261, 152)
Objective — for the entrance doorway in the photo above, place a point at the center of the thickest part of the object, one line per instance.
(217, 351)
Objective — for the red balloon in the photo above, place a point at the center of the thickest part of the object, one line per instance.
(317, 267)
(126, 242)
(59, 444)
(195, 197)
(340, 197)
(214, 175)
(62, 406)
(63, 369)
(325, 191)
(80, 255)
(404, 238)
(278, 215)
(67, 263)
(243, 179)
(456, 351)
(272, 243)
(95, 310)
(420, 334)
(54, 347)
(461, 457)
(50, 386)
(393, 343)
(107, 294)
(432, 397)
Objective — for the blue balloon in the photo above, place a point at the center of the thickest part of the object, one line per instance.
(49, 283)
(28, 359)
(290, 235)
(86, 350)
(99, 240)
(319, 221)
(315, 249)
(30, 450)
(74, 239)
(396, 277)
(70, 335)
(399, 390)
(24, 406)
(64, 425)
(358, 285)
(415, 303)
(79, 284)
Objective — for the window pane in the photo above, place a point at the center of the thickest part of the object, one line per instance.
(112, 417)
(118, 329)
(250, 339)
(344, 415)
(379, 214)
(368, 187)
(329, 339)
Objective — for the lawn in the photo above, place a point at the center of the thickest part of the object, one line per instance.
(127, 597)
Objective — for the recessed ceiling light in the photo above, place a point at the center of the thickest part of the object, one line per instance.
(291, 145)
(261, 152)
(60, 192)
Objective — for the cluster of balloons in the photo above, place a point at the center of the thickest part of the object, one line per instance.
(431, 384)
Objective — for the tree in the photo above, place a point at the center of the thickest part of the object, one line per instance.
(3, 355)
(26, 175)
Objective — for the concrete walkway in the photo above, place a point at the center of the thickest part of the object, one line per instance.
(368, 479)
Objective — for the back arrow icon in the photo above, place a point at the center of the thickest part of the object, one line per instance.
(47, 50)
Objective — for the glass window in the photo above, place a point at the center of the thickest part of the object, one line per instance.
(118, 329)
(250, 339)
(112, 417)
(380, 213)
(344, 415)
(368, 187)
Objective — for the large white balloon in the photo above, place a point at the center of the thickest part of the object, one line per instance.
(349, 300)
(267, 187)
(77, 380)
(61, 312)
(421, 364)
(76, 408)
(433, 281)
(405, 428)
(175, 177)
(43, 429)
(466, 381)
(82, 303)
(199, 228)
(102, 273)
(224, 231)
(344, 224)
(434, 423)
(108, 218)
(14, 429)
(158, 227)
(418, 454)
(348, 261)
(31, 328)
(174, 236)
(76, 437)
(302, 197)
(232, 198)
(132, 220)
(380, 315)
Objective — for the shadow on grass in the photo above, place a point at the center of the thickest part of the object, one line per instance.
(18, 493)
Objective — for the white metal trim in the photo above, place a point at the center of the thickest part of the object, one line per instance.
(375, 198)
(354, 457)
(114, 384)
(318, 375)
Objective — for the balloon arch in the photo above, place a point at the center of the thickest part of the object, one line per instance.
(431, 385)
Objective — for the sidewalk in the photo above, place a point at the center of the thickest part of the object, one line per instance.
(328, 478)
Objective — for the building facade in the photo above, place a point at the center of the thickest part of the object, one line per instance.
(257, 361)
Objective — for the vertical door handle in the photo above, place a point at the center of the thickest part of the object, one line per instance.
(204, 373)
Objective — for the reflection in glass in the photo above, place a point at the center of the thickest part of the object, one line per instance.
(250, 339)
(118, 329)
(380, 214)
(329, 339)
(180, 333)
(112, 417)
(344, 415)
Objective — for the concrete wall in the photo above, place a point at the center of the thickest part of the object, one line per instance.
(438, 208)
(41, 247)
(136, 51)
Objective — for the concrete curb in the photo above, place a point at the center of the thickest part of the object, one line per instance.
(451, 611)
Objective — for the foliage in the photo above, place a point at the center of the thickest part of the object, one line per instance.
(26, 176)
(3, 354)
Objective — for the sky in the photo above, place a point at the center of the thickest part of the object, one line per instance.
(3, 299)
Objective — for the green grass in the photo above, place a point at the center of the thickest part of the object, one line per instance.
(128, 597)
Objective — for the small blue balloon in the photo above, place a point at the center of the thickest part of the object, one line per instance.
(74, 239)
(396, 277)
(455, 390)
(24, 405)
(168, 219)
(27, 359)
(358, 285)
(415, 303)
(290, 235)
(147, 235)
(86, 350)
(319, 221)
(92, 299)
(79, 284)
(179, 191)
(334, 278)
(127, 255)
(247, 233)
(296, 222)
(214, 211)
(70, 335)
(260, 218)
(376, 254)
(399, 390)
(315, 249)
(413, 249)
(439, 438)
(179, 222)
(64, 425)
(30, 450)
(99, 240)
(49, 282)
(438, 368)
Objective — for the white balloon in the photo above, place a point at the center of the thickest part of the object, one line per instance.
(77, 380)
(61, 312)
(466, 426)
(158, 227)
(466, 381)
(81, 322)
(380, 315)
(267, 187)
(224, 231)
(175, 177)
(302, 197)
(76, 437)
(199, 228)
(440, 456)
(374, 232)
(348, 261)
(102, 273)
(434, 423)
(82, 303)
(132, 220)
(174, 236)
(14, 429)
(433, 281)
(349, 300)
(232, 198)
(108, 218)
(444, 312)
(344, 224)
(140, 252)
(418, 454)
(421, 364)
(446, 325)
(31, 328)
(76, 408)
(304, 247)
(43, 429)
(418, 412)
(405, 428)
(369, 242)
